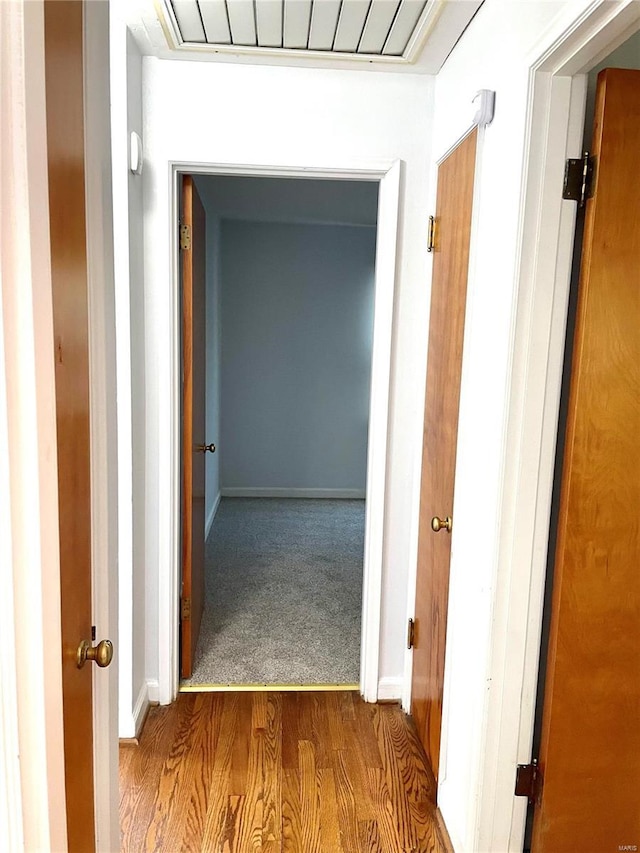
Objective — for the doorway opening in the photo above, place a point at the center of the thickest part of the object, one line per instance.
(289, 281)
(300, 292)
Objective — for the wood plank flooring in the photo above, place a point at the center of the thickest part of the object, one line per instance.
(277, 773)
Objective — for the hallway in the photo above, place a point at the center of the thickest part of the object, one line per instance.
(298, 772)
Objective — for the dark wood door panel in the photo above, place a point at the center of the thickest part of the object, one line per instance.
(64, 70)
(193, 422)
(590, 747)
(444, 365)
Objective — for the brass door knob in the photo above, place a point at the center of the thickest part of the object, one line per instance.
(203, 448)
(438, 524)
(102, 654)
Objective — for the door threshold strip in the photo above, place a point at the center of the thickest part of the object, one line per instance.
(257, 688)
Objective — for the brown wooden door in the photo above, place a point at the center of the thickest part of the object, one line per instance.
(446, 331)
(193, 422)
(590, 747)
(65, 141)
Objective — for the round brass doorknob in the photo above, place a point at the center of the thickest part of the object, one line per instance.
(102, 654)
(438, 524)
(203, 448)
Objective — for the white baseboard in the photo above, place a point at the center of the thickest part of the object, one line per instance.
(389, 689)
(140, 709)
(260, 492)
(211, 516)
(148, 695)
(153, 691)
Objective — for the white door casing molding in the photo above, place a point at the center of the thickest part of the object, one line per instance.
(123, 380)
(31, 743)
(388, 174)
(103, 416)
(579, 38)
(11, 834)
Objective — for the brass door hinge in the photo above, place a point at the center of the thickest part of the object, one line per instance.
(529, 781)
(578, 179)
(186, 608)
(411, 634)
(185, 237)
(431, 234)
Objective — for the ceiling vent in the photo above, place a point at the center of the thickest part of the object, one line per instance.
(380, 30)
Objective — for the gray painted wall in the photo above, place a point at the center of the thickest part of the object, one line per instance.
(267, 200)
(213, 350)
(297, 323)
(290, 199)
(626, 55)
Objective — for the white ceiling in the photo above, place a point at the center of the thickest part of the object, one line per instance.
(403, 35)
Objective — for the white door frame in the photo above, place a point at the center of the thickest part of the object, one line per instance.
(388, 174)
(577, 41)
(32, 782)
(103, 416)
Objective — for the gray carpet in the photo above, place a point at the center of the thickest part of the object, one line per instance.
(283, 593)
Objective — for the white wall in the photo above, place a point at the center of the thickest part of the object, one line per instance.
(272, 116)
(126, 115)
(138, 370)
(297, 328)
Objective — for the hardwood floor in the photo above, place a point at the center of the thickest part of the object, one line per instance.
(271, 772)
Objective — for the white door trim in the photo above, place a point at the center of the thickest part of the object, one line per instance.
(31, 716)
(388, 174)
(11, 834)
(103, 417)
(576, 41)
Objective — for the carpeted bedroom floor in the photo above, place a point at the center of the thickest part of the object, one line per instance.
(283, 593)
